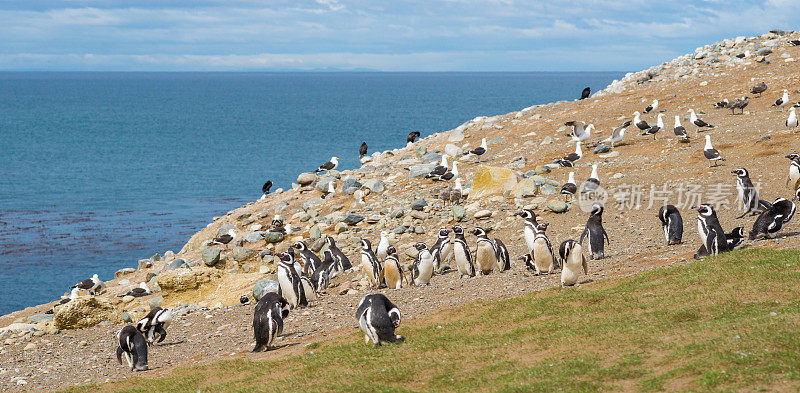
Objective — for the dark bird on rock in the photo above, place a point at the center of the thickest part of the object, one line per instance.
(585, 93)
(759, 88)
(722, 104)
(739, 103)
(439, 170)
(141, 290)
(412, 136)
(362, 151)
(265, 189)
(478, 151)
(225, 238)
(569, 188)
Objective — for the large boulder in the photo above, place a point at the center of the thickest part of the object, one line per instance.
(323, 181)
(83, 312)
(491, 180)
(350, 185)
(375, 185)
(263, 287)
(242, 253)
(179, 280)
(421, 170)
(306, 178)
(353, 219)
(254, 237)
(273, 237)
(210, 256)
(526, 188)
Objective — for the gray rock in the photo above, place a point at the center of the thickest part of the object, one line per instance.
(353, 219)
(323, 181)
(242, 253)
(157, 257)
(419, 204)
(312, 202)
(557, 206)
(126, 317)
(419, 230)
(763, 52)
(243, 216)
(145, 264)
(124, 271)
(375, 185)
(350, 185)
(420, 170)
(483, 214)
(600, 149)
(420, 151)
(399, 230)
(254, 237)
(41, 317)
(453, 150)
(315, 232)
(396, 213)
(431, 157)
(457, 135)
(542, 169)
(157, 301)
(546, 140)
(333, 172)
(263, 287)
(273, 237)
(548, 189)
(341, 227)
(281, 206)
(306, 178)
(224, 228)
(458, 212)
(210, 256)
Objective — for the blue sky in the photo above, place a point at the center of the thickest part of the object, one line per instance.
(452, 35)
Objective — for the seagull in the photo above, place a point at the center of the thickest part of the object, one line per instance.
(722, 104)
(478, 151)
(580, 131)
(141, 290)
(331, 190)
(362, 151)
(225, 238)
(739, 103)
(656, 128)
(759, 88)
(585, 93)
(92, 285)
(440, 169)
(618, 133)
(571, 158)
(412, 136)
(680, 132)
(328, 166)
(794, 42)
(265, 189)
(449, 175)
(639, 122)
(791, 122)
(711, 153)
(651, 107)
(699, 123)
(569, 187)
(457, 193)
(592, 183)
(783, 100)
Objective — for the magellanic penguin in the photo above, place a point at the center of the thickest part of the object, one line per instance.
(595, 232)
(461, 254)
(341, 262)
(671, 223)
(710, 230)
(291, 288)
(486, 255)
(392, 272)
(748, 194)
(311, 262)
(133, 347)
(153, 326)
(794, 171)
(503, 257)
(773, 219)
(422, 269)
(529, 230)
(735, 239)
(322, 276)
(442, 249)
(369, 264)
(309, 288)
(543, 258)
(572, 262)
(268, 317)
(378, 317)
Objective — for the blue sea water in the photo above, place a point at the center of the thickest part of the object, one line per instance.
(99, 170)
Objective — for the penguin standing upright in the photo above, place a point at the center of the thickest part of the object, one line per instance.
(672, 223)
(441, 249)
(289, 281)
(595, 232)
(322, 276)
(572, 261)
(461, 254)
(342, 263)
(133, 346)
(543, 259)
(486, 255)
(748, 194)
(311, 262)
(734, 238)
(268, 318)
(369, 264)
(772, 220)
(503, 258)
(392, 272)
(529, 230)
(309, 288)
(794, 171)
(378, 317)
(155, 324)
(710, 230)
(422, 270)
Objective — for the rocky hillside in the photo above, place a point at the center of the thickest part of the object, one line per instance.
(639, 174)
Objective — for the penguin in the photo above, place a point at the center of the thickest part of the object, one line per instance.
(309, 288)
(378, 317)
(735, 238)
(153, 326)
(710, 230)
(342, 263)
(748, 194)
(529, 230)
(595, 232)
(543, 259)
(572, 261)
(383, 245)
(503, 258)
(486, 254)
(369, 264)
(289, 281)
(569, 188)
(298, 268)
(441, 249)
(133, 347)
(311, 262)
(794, 171)
(671, 223)
(461, 254)
(527, 260)
(773, 219)
(392, 272)
(592, 183)
(93, 285)
(268, 318)
(322, 276)
(422, 269)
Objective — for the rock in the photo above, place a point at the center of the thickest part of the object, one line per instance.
(548, 189)
(492, 180)
(263, 287)
(241, 254)
(526, 188)
(315, 233)
(432, 157)
(180, 280)
(418, 215)
(224, 228)
(542, 169)
(254, 237)
(546, 141)
(453, 150)
(29, 347)
(306, 178)
(518, 162)
(420, 151)
(457, 135)
(420, 170)
(399, 230)
(458, 212)
(145, 264)
(353, 219)
(323, 181)
(600, 149)
(419, 204)
(375, 185)
(123, 272)
(419, 230)
(83, 312)
(281, 206)
(341, 227)
(350, 185)
(40, 317)
(157, 301)
(482, 214)
(763, 52)
(126, 317)
(19, 328)
(396, 213)
(273, 237)
(127, 298)
(609, 155)
(210, 256)
(312, 202)
(557, 206)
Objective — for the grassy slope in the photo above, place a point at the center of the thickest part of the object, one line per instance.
(728, 323)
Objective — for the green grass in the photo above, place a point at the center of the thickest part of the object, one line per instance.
(707, 326)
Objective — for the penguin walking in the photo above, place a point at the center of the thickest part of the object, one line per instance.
(569, 188)
(748, 194)
(291, 288)
(486, 254)
(133, 347)
(378, 317)
(311, 262)
(441, 250)
(341, 262)
(711, 154)
(572, 262)
(794, 171)
(671, 223)
(773, 219)
(543, 258)
(422, 269)
(595, 232)
(734, 238)
(392, 272)
(153, 326)
(710, 230)
(461, 254)
(268, 318)
(369, 264)
(530, 228)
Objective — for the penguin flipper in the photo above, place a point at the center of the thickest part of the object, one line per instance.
(583, 235)
(606, 236)
(585, 265)
(764, 203)
(710, 240)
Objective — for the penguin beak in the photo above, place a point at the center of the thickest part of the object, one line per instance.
(696, 208)
(734, 172)
(518, 213)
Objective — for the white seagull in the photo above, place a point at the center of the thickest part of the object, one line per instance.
(651, 107)
(580, 132)
(638, 122)
(791, 122)
(656, 128)
(329, 166)
(680, 132)
(783, 100)
(618, 133)
(699, 123)
(711, 153)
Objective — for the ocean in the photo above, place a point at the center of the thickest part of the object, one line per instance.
(99, 170)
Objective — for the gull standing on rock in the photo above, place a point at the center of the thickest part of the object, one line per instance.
(440, 169)
(711, 154)
(638, 122)
(383, 246)
(656, 128)
(265, 189)
(329, 166)
(618, 133)
(92, 285)
(783, 100)
(680, 132)
(651, 107)
(699, 123)
(331, 190)
(791, 122)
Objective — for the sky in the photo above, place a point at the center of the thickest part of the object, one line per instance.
(412, 35)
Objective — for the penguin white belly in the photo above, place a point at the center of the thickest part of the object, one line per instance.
(666, 231)
(391, 275)
(368, 269)
(571, 270)
(287, 290)
(461, 261)
(701, 231)
(308, 289)
(425, 271)
(542, 258)
(530, 238)
(446, 253)
(485, 258)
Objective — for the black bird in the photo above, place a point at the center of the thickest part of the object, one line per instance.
(265, 188)
(585, 93)
(412, 136)
(794, 42)
(759, 88)
(362, 151)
